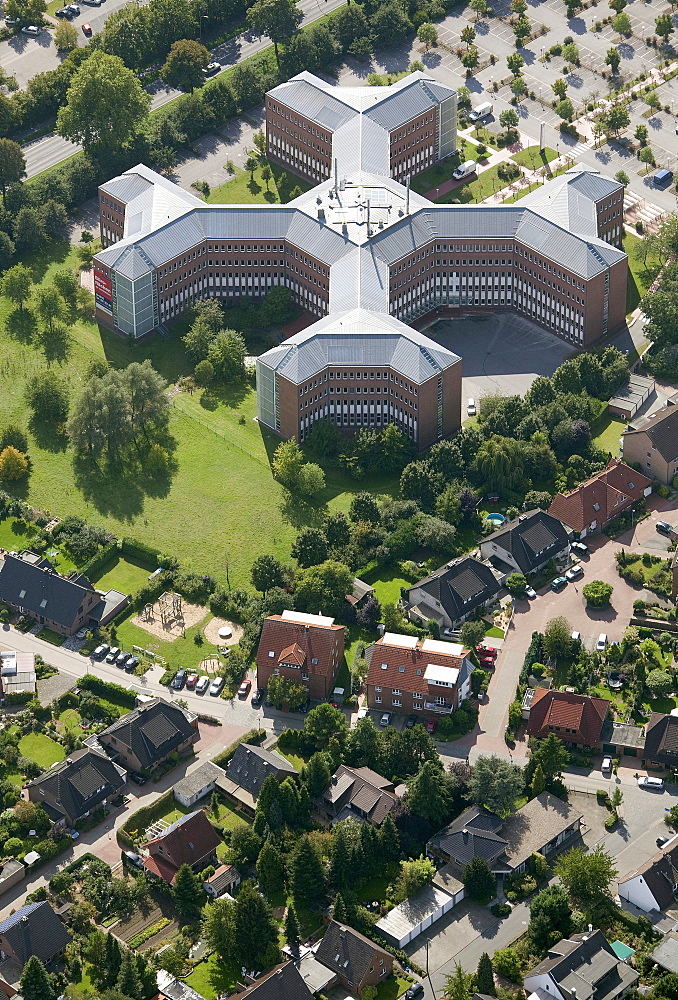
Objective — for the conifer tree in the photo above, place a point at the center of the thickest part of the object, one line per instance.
(292, 934)
(485, 976)
(128, 978)
(35, 983)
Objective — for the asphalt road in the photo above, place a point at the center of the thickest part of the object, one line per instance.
(36, 56)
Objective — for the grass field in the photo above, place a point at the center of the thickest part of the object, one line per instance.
(442, 170)
(532, 157)
(41, 749)
(183, 652)
(485, 184)
(387, 583)
(607, 434)
(214, 977)
(246, 189)
(122, 574)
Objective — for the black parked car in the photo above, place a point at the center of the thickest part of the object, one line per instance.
(137, 778)
(415, 990)
(179, 680)
(130, 858)
(255, 700)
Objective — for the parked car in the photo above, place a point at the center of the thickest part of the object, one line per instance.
(431, 726)
(211, 68)
(415, 990)
(130, 858)
(31, 29)
(202, 685)
(137, 778)
(663, 527)
(652, 784)
(448, 632)
(574, 572)
(179, 680)
(100, 652)
(530, 592)
(87, 29)
(73, 8)
(216, 686)
(385, 720)
(660, 841)
(411, 722)
(113, 655)
(606, 766)
(576, 637)
(244, 688)
(558, 583)
(602, 642)
(192, 679)
(131, 664)
(121, 659)
(471, 407)
(580, 547)
(614, 681)
(256, 698)
(63, 12)
(488, 651)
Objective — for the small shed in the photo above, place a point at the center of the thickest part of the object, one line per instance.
(630, 397)
(360, 591)
(406, 921)
(197, 783)
(225, 878)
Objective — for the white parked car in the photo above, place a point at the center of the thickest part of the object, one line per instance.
(652, 784)
(31, 29)
(216, 686)
(202, 684)
(606, 766)
(471, 407)
(530, 591)
(574, 572)
(576, 637)
(385, 720)
(602, 642)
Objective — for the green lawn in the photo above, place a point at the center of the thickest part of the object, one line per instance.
(387, 582)
(532, 157)
(442, 170)
(486, 183)
(41, 749)
(182, 652)
(608, 433)
(122, 574)
(246, 189)
(392, 987)
(52, 637)
(16, 535)
(14, 776)
(214, 977)
(70, 720)
(640, 277)
(227, 816)
(494, 632)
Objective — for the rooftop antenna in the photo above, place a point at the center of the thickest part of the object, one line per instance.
(407, 199)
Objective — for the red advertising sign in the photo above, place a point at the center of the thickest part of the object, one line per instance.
(103, 291)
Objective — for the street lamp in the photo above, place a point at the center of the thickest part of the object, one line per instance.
(428, 974)
(203, 17)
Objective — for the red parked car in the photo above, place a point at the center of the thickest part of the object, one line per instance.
(87, 30)
(431, 726)
(489, 652)
(487, 661)
(244, 689)
(192, 680)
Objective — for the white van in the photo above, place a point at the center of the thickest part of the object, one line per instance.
(464, 169)
(482, 111)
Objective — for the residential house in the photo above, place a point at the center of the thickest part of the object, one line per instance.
(652, 442)
(246, 772)
(31, 586)
(356, 961)
(282, 983)
(526, 544)
(144, 738)
(630, 396)
(33, 929)
(197, 783)
(666, 953)
(360, 591)
(453, 592)
(582, 967)
(593, 504)
(191, 840)
(74, 788)
(407, 674)
(307, 649)
(576, 719)
(661, 740)
(654, 884)
(225, 879)
(171, 988)
(541, 826)
(358, 792)
(11, 873)
(17, 673)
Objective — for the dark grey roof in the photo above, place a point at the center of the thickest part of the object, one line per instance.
(348, 953)
(35, 929)
(661, 739)
(41, 591)
(474, 834)
(151, 731)
(585, 968)
(282, 983)
(532, 539)
(666, 952)
(81, 782)
(361, 789)
(660, 873)
(460, 586)
(662, 430)
(250, 766)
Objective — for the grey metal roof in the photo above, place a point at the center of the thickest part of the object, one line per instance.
(306, 98)
(403, 106)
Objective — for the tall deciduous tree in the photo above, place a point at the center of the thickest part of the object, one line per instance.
(458, 985)
(219, 927)
(586, 876)
(17, 281)
(278, 19)
(47, 396)
(12, 164)
(105, 105)
(558, 637)
(496, 784)
(184, 65)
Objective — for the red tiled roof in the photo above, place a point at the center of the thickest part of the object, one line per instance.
(576, 718)
(414, 661)
(158, 866)
(316, 641)
(185, 842)
(612, 490)
(293, 654)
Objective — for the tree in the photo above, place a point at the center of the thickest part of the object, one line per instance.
(187, 892)
(311, 480)
(309, 547)
(538, 783)
(307, 878)
(227, 353)
(458, 985)
(49, 306)
(325, 723)
(515, 63)
(479, 7)
(559, 88)
(552, 756)
(509, 119)
(128, 982)
(500, 460)
(663, 26)
(428, 795)
(622, 24)
(516, 583)
(278, 19)
(12, 165)
(284, 691)
(496, 784)
(292, 933)
(558, 637)
(597, 593)
(622, 178)
(270, 868)
(18, 280)
(479, 881)
(646, 155)
(612, 59)
(550, 915)
(323, 587)
(586, 876)
(267, 573)
(13, 465)
(255, 929)
(485, 976)
(105, 105)
(184, 65)
(428, 34)
(389, 24)
(389, 839)
(13, 436)
(47, 396)
(412, 876)
(287, 463)
(323, 437)
(468, 35)
(565, 109)
(364, 507)
(571, 53)
(521, 29)
(659, 682)
(35, 983)
(317, 774)
(641, 134)
(507, 964)
(66, 37)
(219, 927)
(472, 633)
(615, 120)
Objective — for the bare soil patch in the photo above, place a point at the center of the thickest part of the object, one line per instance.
(211, 632)
(174, 627)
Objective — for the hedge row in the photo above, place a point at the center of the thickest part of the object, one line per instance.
(142, 818)
(99, 560)
(139, 550)
(111, 692)
(254, 736)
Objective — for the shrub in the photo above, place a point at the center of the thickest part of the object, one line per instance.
(500, 909)
(597, 593)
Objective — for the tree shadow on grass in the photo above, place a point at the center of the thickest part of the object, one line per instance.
(48, 436)
(302, 512)
(51, 251)
(231, 395)
(108, 487)
(56, 344)
(20, 325)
